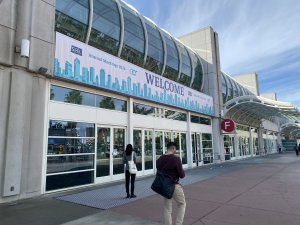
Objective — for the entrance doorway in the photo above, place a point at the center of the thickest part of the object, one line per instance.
(196, 149)
(229, 147)
(110, 150)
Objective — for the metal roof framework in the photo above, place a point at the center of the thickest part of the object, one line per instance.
(291, 130)
(251, 110)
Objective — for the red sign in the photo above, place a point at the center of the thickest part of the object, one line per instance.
(228, 125)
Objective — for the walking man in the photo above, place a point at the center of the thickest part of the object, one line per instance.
(171, 164)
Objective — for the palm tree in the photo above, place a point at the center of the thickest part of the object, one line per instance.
(74, 97)
(107, 103)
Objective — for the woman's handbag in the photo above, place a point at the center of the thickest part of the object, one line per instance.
(163, 184)
(132, 166)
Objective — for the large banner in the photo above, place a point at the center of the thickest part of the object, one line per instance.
(80, 62)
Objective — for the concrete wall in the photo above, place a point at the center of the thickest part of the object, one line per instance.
(205, 42)
(270, 95)
(22, 130)
(249, 81)
(23, 94)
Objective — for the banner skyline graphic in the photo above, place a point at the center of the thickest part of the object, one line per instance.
(100, 69)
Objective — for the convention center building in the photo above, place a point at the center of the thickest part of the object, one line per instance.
(79, 80)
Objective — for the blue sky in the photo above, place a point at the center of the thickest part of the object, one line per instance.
(254, 35)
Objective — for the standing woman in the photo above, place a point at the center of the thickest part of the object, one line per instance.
(129, 153)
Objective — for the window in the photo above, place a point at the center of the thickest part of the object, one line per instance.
(143, 109)
(170, 114)
(172, 65)
(200, 120)
(105, 33)
(68, 95)
(111, 103)
(186, 67)
(71, 18)
(71, 152)
(134, 39)
(155, 56)
(207, 148)
(198, 73)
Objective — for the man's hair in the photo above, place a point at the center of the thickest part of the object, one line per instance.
(171, 144)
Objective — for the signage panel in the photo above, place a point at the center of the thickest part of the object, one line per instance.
(82, 63)
(228, 125)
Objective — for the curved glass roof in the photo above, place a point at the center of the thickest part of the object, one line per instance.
(106, 27)
(232, 89)
(134, 37)
(117, 28)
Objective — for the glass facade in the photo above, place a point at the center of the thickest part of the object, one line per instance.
(197, 82)
(232, 89)
(207, 148)
(62, 94)
(114, 22)
(186, 67)
(134, 37)
(71, 152)
(172, 64)
(71, 18)
(106, 28)
(155, 55)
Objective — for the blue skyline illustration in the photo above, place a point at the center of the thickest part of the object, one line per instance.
(125, 86)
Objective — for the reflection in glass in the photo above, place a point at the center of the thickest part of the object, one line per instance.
(71, 129)
(176, 137)
(207, 148)
(155, 55)
(167, 139)
(170, 114)
(70, 146)
(137, 146)
(148, 149)
(158, 143)
(111, 103)
(69, 180)
(133, 46)
(56, 164)
(186, 68)
(103, 152)
(143, 109)
(183, 148)
(68, 95)
(172, 65)
(198, 77)
(71, 18)
(105, 33)
(118, 150)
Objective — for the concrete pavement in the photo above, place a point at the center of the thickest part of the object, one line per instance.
(258, 191)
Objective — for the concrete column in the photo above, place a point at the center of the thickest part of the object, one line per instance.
(17, 132)
(130, 122)
(189, 141)
(218, 149)
(251, 142)
(260, 141)
(24, 18)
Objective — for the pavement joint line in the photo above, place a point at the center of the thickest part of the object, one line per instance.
(238, 195)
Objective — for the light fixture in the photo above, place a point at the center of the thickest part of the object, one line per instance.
(42, 70)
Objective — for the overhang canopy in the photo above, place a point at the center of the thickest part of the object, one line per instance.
(291, 130)
(251, 109)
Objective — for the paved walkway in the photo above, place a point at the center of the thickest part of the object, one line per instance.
(258, 191)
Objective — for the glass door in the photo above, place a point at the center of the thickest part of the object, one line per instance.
(137, 146)
(118, 150)
(110, 150)
(196, 149)
(148, 151)
(103, 158)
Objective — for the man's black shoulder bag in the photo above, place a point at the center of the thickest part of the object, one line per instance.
(163, 184)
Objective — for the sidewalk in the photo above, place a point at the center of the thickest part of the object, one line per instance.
(258, 191)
